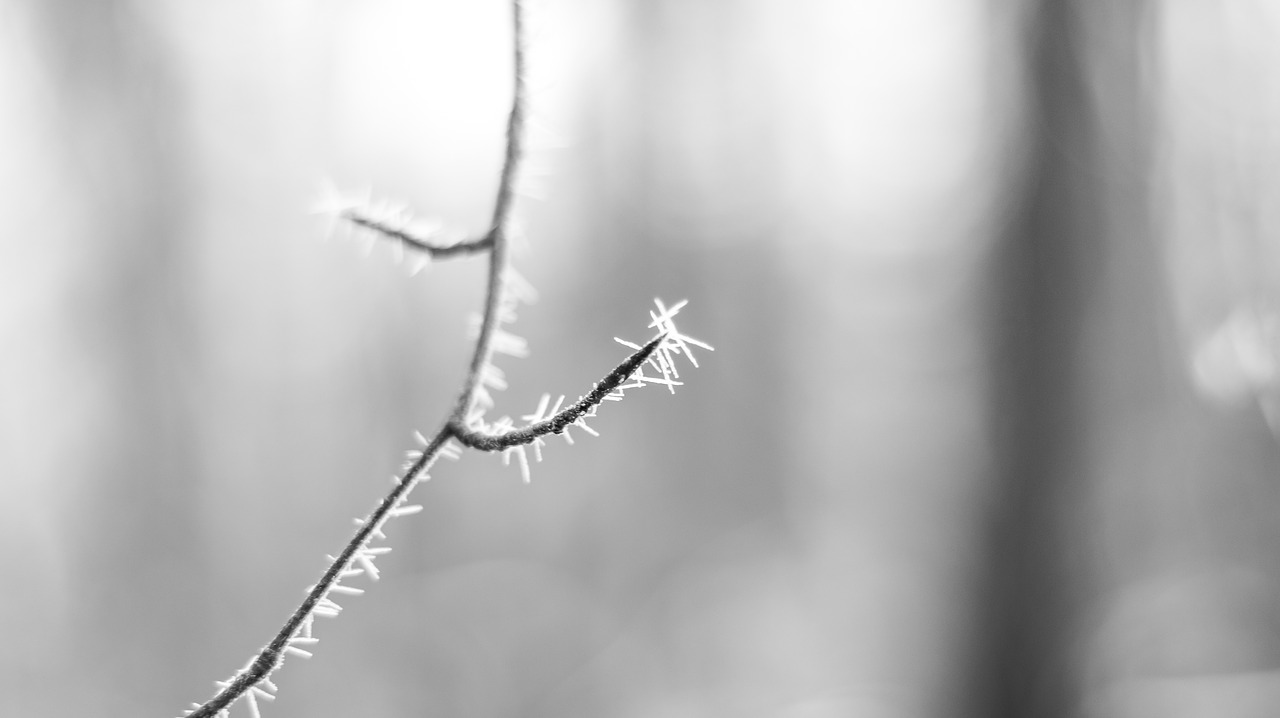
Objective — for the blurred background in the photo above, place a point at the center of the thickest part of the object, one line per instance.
(989, 430)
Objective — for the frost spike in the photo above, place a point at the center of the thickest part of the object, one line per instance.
(366, 563)
(262, 692)
(524, 464)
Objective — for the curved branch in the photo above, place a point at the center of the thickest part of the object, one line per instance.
(556, 424)
(498, 228)
(249, 682)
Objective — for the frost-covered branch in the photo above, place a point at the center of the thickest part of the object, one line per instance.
(610, 386)
(658, 353)
(466, 425)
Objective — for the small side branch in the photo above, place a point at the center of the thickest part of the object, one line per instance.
(399, 234)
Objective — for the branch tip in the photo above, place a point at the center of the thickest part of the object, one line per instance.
(501, 436)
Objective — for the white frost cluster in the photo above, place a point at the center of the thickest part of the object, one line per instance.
(673, 345)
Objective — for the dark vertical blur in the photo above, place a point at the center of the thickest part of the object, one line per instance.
(1075, 340)
(120, 161)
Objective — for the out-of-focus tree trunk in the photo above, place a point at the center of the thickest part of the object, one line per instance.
(1076, 350)
(131, 474)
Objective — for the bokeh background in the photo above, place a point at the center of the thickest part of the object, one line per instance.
(988, 431)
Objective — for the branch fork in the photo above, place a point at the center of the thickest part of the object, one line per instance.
(466, 426)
